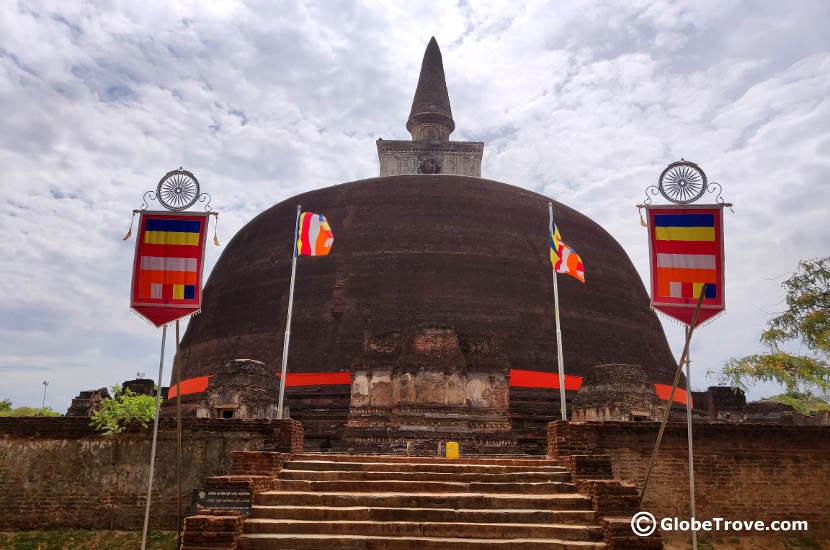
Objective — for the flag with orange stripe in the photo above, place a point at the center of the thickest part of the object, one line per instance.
(314, 235)
(686, 253)
(167, 270)
(563, 257)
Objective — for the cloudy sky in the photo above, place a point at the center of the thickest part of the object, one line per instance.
(580, 101)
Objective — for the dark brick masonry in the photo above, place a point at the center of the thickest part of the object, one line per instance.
(742, 471)
(59, 472)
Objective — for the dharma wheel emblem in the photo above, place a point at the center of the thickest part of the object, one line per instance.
(178, 190)
(682, 182)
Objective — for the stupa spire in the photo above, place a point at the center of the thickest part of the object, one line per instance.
(431, 116)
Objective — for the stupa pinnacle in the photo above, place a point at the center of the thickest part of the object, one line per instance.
(430, 122)
(431, 115)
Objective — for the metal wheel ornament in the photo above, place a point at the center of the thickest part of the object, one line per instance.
(178, 190)
(682, 182)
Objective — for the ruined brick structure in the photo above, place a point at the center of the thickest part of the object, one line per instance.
(615, 392)
(721, 403)
(140, 386)
(87, 402)
(432, 318)
(242, 388)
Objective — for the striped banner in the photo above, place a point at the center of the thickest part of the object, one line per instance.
(167, 270)
(686, 253)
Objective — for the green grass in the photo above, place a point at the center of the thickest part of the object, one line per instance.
(28, 411)
(82, 539)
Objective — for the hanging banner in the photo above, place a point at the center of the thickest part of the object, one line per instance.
(686, 252)
(167, 268)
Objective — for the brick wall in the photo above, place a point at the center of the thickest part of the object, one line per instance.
(742, 471)
(60, 472)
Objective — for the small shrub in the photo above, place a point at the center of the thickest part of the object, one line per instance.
(117, 413)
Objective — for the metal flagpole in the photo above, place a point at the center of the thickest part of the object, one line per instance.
(178, 432)
(671, 393)
(560, 361)
(691, 451)
(288, 320)
(153, 447)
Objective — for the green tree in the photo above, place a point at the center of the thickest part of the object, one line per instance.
(6, 405)
(807, 320)
(804, 403)
(125, 407)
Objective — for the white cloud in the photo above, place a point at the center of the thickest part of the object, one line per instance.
(582, 101)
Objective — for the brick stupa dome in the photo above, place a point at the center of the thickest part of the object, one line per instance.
(433, 311)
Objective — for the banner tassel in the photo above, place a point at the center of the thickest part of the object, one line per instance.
(215, 224)
(130, 232)
(642, 221)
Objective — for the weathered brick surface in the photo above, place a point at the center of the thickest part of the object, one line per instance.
(253, 483)
(257, 463)
(288, 436)
(617, 535)
(742, 471)
(588, 466)
(60, 472)
(365, 305)
(217, 530)
(610, 497)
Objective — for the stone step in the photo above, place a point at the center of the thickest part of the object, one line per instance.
(513, 461)
(425, 529)
(366, 513)
(359, 542)
(476, 501)
(535, 488)
(427, 465)
(463, 476)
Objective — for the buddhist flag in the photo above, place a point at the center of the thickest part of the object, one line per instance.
(563, 257)
(167, 269)
(314, 235)
(686, 251)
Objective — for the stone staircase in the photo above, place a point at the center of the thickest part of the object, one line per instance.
(399, 503)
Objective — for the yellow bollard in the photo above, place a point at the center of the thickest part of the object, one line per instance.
(452, 449)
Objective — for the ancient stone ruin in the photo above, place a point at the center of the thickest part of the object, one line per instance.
(87, 402)
(615, 392)
(242, 388)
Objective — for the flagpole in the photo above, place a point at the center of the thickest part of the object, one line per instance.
(667, 409)
(288, 319)
(560, 361)
(178, 434)
(691, 451)
(153, 447)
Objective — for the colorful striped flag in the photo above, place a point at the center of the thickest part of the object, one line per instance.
(563, 257)
(168, 266)
(686, 254)
(314, 235)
